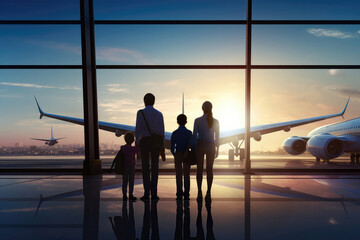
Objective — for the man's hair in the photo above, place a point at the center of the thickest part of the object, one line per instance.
(129, 137)
(149, 99)
(181, 119)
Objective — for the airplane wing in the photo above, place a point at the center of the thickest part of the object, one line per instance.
(225, 136)
(258, 131)
(40, 139)
(107, 126)
(59, 138)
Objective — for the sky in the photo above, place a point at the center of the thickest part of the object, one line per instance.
(277, 95)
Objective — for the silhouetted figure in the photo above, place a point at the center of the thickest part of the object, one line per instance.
(129, 153)
(124, 226)
(149, 125)
(180, 143)
(182, 227)
(206, 133)
(209, 223)
(150, 220)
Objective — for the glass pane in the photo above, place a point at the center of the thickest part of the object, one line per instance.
(310, 44)
(58, 92)
(40, 44)
(306, 10)
(121, 96)
(170, 44)
(170, 10)
(286, 95)
(40, 10)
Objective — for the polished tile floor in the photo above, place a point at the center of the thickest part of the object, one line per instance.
(260, 207)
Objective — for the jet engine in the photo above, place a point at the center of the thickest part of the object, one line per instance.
(294, 145)
(119, 132)
(325, 146)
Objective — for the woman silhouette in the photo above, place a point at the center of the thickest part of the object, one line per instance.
(206, 133)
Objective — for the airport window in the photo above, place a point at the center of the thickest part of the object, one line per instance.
(313, 55)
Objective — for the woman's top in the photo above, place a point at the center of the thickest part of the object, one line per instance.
(202, 132)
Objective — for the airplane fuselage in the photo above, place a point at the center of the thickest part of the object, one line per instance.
(349, 129)
(51, 142)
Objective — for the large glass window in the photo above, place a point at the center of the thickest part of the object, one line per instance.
(58, 92)
(170, 10)
(40, 10)
(306, 10)
(286, 95)
(306, 44)
(32, 44)
(121, 96)
(170, 44)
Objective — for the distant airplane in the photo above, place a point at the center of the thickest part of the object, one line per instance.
(233, 137)
(51, 142)
(329, 141)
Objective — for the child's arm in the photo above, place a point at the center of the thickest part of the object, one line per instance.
(172, 143)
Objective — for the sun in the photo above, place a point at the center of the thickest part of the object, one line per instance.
(230, 116)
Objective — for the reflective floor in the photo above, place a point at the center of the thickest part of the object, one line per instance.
(260, 207)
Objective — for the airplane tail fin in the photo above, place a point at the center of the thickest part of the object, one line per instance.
(40, 111)
(343, 112)
(52, 137)
(183, 104)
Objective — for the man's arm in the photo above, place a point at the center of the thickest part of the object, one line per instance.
(137, 127)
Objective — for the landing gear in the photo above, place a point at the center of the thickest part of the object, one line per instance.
(231, 155)
(236, 151)
(352, 158)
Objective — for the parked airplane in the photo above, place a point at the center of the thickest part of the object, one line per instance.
(329, 141)
(51, 142)
(233, 137)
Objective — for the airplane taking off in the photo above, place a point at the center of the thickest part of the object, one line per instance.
(233, 137)
(51, 142)
(329, 141)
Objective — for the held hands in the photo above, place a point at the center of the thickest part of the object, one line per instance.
(162, 154)
(216, 151)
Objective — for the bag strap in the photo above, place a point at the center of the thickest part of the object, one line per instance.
(147, 125)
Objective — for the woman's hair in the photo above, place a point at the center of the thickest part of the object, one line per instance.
(207, 107)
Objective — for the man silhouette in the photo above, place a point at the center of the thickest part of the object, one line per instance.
(149, 121)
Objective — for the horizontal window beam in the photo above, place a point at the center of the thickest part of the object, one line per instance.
(182, 67)
(170, 66)
(304, 22)
(41, 67)
(187, 22)
(191, 22)
(305, 67)
(40, 22)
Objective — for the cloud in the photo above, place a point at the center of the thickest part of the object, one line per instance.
(173, 82)
(321, 32)
(76, 49)
(121, 55)
(359, 32)
(345, 91)
(120, 105)
(117, 88)
(31, 85)
(333, 72)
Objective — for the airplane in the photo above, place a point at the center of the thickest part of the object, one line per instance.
(51, 142)
(232, 137)
(328, 141)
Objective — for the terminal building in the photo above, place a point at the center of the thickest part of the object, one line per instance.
(282, 77)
